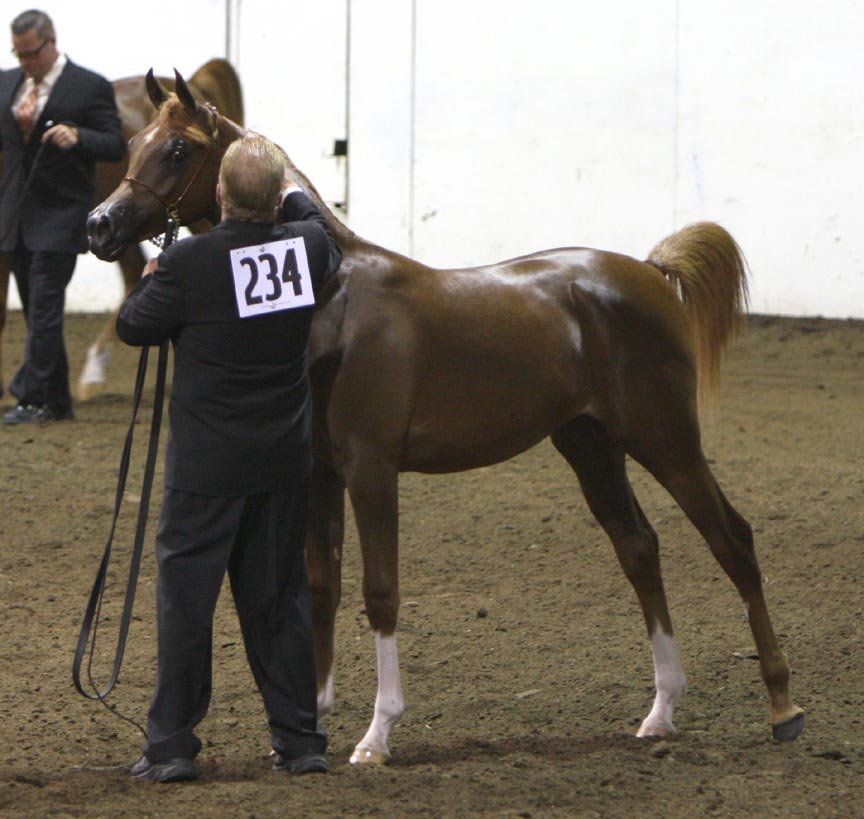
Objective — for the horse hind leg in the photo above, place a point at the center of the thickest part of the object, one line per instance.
(600, 466)
(324, 541)
(91, 382)
(680, 466)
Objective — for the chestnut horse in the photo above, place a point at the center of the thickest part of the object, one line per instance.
(215, 82)
(417, 369)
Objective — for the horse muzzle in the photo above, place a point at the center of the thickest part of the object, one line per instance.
(109, 230)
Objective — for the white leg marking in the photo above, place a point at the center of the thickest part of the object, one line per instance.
(389, 705)
(670, 682)
(326, 697)
(94, 366)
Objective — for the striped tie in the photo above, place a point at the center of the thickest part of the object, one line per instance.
(26, 113)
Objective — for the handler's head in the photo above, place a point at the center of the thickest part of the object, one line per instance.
(34, 43)
(250, 180)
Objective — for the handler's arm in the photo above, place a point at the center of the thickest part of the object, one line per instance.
(325, 255)
(153, 312)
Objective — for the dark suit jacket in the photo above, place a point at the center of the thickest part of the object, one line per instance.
(53, 215)
(240, 405)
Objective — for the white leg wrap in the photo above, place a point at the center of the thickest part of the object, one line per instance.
(670, 682)
(94, 366)
(389, 705)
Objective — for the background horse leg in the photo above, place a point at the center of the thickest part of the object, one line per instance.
(373, 488)
(600, 466)
(324, 539)
(5, 270)
(92, 379)
(679, 464)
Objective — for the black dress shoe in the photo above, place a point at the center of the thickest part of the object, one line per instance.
(29, 414)
(36, 414)
(309, 763)
(174, 770)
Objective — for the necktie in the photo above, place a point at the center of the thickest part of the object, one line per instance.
(26, 113)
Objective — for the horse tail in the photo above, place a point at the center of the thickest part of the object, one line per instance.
(709, 272)
(219, 84)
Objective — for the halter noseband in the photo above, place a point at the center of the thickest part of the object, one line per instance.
(172, 209)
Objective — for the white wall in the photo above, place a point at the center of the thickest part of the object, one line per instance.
(482, 129)
(613, 124)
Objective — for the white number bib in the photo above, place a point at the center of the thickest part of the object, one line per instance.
(271, 277)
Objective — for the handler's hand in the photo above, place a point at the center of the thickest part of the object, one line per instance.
(63, 136)
(151, 265)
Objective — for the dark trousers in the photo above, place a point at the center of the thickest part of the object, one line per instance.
(260, 541)
(43, 378)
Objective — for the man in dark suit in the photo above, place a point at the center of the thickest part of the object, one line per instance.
(237, 304)
(56, 120)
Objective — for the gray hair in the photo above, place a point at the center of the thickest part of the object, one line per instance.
(33, 18)
(250, 179)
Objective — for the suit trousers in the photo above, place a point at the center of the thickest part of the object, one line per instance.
(260, 541)
(43, 378)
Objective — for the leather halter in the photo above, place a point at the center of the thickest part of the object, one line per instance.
(172, 209)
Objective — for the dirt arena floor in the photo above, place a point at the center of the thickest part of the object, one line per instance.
(526, 667)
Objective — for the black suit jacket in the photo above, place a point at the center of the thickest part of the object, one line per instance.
(240, 404)
(53, 215)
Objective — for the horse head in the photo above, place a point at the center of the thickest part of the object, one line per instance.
(173, 169)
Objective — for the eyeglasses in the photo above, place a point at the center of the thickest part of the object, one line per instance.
(34, 52)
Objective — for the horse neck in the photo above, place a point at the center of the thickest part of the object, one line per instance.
(228, 131)
(343, 235)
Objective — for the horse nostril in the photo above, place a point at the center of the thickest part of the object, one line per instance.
(98, 225)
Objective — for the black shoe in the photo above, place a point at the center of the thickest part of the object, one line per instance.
(174, 770)
(35, 414)
(309, 763)
(29, 414)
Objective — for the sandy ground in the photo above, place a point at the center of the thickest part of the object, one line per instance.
(526, 667)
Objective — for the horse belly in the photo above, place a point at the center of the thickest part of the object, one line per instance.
(480, 406)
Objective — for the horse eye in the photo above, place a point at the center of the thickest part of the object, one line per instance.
(179, 151)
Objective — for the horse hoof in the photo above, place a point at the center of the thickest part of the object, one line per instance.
(656, 730)
(368, 756)
(86, 392)
(789, 729)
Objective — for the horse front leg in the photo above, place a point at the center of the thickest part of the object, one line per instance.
(324, 539)
(373, 487)
(91, 382)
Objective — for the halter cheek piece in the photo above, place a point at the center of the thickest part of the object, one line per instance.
(172, 209)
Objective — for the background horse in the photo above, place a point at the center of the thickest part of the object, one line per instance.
(417, 369)
(215, 82)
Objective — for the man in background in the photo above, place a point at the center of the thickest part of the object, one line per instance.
(56, 120)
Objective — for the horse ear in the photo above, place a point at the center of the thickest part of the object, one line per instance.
(156, 92)
(183, 93)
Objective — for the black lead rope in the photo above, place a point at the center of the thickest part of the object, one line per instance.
(90, 625)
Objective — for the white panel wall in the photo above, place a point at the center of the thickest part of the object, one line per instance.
(772, 145)
(542, 129)
(574, 122)
(381, 132)
(480, 129)
(292, 61)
